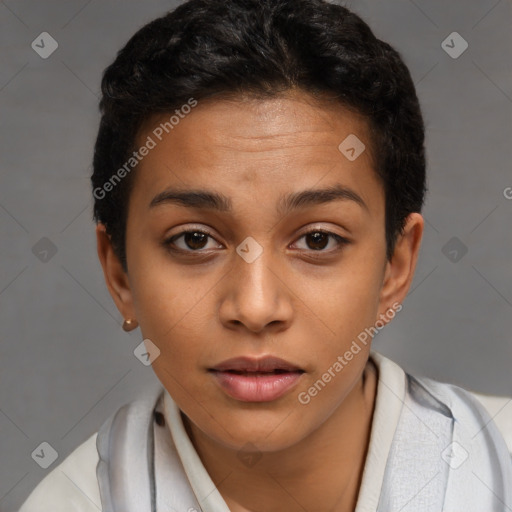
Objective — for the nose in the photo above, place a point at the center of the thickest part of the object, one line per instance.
(256, 294)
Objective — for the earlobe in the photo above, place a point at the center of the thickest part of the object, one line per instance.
(116, 278)
(399, 271)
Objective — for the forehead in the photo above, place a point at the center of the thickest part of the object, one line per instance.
(253, 124)
(273, 144)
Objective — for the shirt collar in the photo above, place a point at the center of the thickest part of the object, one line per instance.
(390, 397)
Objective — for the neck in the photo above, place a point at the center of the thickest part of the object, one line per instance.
(321, 472)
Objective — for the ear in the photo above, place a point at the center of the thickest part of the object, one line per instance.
(116, 278)
(399, 272)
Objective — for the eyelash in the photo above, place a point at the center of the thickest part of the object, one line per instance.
(168, 243)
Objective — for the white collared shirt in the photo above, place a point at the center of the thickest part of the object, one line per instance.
(73, 485)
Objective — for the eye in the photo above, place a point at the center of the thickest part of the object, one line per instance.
(193, 240)
(317, 240)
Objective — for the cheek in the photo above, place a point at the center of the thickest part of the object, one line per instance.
(166, 301)
(348, 300)
(171, 313)
(348, 310)
(181, 363)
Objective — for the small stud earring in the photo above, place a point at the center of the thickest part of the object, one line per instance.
(130, 325)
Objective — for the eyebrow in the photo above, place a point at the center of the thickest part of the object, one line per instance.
(210, 200)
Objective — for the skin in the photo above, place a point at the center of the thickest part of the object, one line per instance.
(303, 299)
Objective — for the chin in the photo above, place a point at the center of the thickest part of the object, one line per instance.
(266, 435)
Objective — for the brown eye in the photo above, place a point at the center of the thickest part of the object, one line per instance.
(193, 241)
(318, 240)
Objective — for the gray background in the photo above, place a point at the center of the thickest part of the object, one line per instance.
(65, 363)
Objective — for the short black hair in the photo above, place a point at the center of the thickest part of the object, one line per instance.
(260, 48)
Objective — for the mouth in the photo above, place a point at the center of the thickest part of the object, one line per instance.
(268, 364)
(256, 380)
(277, 371)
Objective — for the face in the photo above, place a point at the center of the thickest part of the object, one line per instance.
(282, 254)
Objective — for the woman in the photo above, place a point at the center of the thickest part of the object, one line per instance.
(259, 175)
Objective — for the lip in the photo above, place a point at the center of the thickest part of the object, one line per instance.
(251, 364)
(256, 380)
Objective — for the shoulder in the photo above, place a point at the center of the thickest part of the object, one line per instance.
(472, 410)
(500, 410)
(467, 408)
(71, 486)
